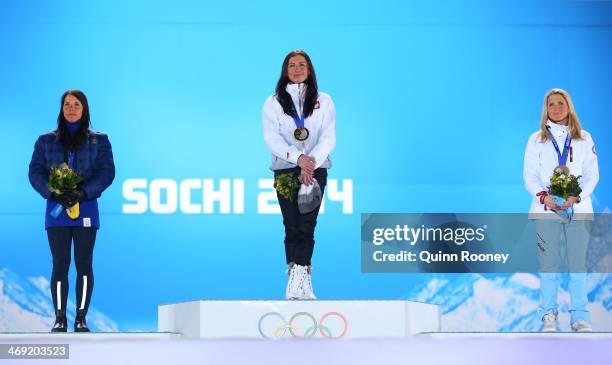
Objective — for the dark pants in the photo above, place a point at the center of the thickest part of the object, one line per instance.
(299, 228)
(60, 241)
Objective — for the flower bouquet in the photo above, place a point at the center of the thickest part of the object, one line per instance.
(562, 186)
(287, 185)
(63, 178)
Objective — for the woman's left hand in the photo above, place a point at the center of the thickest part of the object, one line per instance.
(570, 201)
(73, 196)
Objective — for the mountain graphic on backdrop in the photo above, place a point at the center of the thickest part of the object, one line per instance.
(26, 306)
(469, 303)
(507, 303)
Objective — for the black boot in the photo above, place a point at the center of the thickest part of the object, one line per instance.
(79, 322)
(61, 324)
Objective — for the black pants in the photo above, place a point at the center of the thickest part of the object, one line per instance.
(299, 228)
(60, 241)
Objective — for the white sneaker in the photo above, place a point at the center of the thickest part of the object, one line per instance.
(307, 291)
(549, 322)
(581, 326)
(297, 275)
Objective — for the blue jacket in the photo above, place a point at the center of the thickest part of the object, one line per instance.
(94, 162)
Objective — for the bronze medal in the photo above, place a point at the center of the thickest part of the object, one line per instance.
(562, 169)
(301, 134)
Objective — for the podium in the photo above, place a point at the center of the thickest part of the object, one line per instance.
(325, 319)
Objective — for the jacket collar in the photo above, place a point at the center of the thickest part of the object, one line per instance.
(556, 127)
(296, 90)
(298, 93)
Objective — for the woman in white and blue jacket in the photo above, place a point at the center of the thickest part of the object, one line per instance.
(561, 141)
(89, 153)
(299, 127)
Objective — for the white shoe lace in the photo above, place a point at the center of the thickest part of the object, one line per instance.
(290, 280)
(308, 291)
(297, 274)
(550, 321)
(549, 318)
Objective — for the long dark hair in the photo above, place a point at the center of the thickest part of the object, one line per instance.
(312, 92)
(73, 143)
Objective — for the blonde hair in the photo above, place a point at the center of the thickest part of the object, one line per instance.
(573, 123)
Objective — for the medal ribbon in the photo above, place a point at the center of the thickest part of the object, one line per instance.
(70, 159)
(299, 121)
(562, 157)
(73, 212)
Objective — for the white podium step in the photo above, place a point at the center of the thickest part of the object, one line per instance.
(298, 319)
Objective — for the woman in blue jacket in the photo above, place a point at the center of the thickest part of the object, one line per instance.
(88, 153)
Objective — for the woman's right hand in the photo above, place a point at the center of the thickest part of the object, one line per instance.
(62, 199)
(307, 164)
(549, 200)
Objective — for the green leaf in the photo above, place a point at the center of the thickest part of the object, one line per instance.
(63, 177)
(286, 185)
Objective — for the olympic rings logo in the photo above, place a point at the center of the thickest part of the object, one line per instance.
(289, 326)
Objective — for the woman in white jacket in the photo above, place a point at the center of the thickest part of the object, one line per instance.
(561, 142)
(299, 125)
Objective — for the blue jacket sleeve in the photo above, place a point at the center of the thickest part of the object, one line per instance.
(104, 170)
(38, 173)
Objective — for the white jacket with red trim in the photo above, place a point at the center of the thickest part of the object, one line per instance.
(278, 129)
(541, 159)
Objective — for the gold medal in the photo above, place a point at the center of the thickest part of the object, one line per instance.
(301, 134)
(74, 211)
